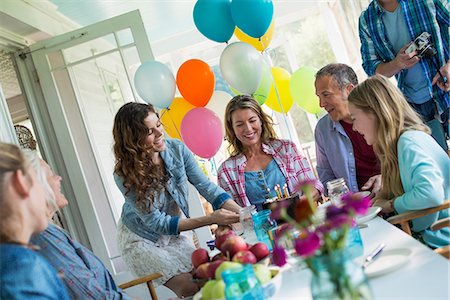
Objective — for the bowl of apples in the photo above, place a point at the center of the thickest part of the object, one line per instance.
(234, 252)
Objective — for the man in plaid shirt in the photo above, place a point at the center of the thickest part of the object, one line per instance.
(386, 30)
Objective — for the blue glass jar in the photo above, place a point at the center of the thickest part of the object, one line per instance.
(241, 284)
(336, 276)
(263, 224)
(354, 245)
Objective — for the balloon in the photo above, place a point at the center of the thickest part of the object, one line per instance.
(303, 90)
(253, 17)
(195, 81)
(213, 19)
(241, 66)
(155, 83)
(259, 44)
(262, 93)
(171, 118)
(218, 104)
(281, 78)
(201, 131)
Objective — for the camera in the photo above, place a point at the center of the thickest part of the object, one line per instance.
(422, 44)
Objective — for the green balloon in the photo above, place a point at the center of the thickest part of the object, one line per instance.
(303, 90)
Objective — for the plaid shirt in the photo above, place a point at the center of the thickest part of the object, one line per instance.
(432, 16)
(293, 165)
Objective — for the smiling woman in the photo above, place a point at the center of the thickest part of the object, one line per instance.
(259, 160)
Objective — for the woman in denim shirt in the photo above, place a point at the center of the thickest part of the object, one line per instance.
(153, 175)
(24, 274)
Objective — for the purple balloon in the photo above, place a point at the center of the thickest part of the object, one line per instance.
(201, 131)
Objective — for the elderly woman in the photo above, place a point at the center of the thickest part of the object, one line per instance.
(153, 174)
(84, 274)
(24, 274)
(259, 160)
(415, 169)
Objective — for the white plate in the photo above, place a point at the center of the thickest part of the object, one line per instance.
(371, 213)
(389, 261)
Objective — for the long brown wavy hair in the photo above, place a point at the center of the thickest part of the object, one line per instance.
(246, 102)
(134, 157)
(378, 96)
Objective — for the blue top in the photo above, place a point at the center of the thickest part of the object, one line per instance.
(334, 152)
(162, 219)
(432, 16)
(85, 276)
(425, 175)
(24, 274)
(416, 85)
(258, 183)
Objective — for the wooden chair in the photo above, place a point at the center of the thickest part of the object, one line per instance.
(145, 279)
(403, 221)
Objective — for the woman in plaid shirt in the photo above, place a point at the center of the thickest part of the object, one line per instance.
(259, 160)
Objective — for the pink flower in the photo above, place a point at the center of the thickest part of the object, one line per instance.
(279, 256)
(308, 245)
(303, 184)
(356, 202)
(277, 209)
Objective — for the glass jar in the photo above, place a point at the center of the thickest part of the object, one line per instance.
(336, 189)
(336, 276)
(354, 245)
(246, 223)
(263, 224)
(241, 284)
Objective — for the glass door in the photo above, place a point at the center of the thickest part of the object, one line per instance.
(84, 77)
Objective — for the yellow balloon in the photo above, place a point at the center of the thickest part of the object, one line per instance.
(171, 118)
(283, 101)
(259, 44)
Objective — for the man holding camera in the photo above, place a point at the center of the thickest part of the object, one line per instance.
(388, 29)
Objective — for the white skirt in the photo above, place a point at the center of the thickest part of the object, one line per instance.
(170, 255)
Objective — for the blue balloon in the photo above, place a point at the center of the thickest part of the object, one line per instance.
(213, 19)
(155, 83)
(253, 17)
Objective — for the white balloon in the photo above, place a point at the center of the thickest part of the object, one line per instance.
(241, 67)
(155, 83)
(218, 103)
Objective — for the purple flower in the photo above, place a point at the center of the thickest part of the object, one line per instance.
(334, 211)
(303, 184)
(279, 256)
(357, 203)
(339, 221)
(277, 209)
(307, 246)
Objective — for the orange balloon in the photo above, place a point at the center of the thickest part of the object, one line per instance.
(195, 81)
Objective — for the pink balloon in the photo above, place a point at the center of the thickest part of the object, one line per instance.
(201, 130)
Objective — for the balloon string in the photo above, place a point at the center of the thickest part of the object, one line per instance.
(173, 122)
(214, 165)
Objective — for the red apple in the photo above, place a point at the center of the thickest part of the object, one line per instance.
(219, 256)
(202, 271)
(233, 245)
(260, 250)
(220, 239)
(212, 267)
(244, 257)
(199, 256)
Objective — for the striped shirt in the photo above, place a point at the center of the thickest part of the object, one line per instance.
(293, 165)
(432, 16)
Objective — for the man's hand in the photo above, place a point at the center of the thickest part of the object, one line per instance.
(315, 195)
(443, 83)
(373, 185)
(406, 60)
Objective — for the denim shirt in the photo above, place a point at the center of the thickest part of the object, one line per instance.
(181, 167)
(334, 152)
(85, 276)
(24, 274)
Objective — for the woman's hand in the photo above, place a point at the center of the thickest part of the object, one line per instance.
(386, 205)
(224, 217)
(315, 195)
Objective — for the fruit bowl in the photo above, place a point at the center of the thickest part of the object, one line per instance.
(270, 288)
